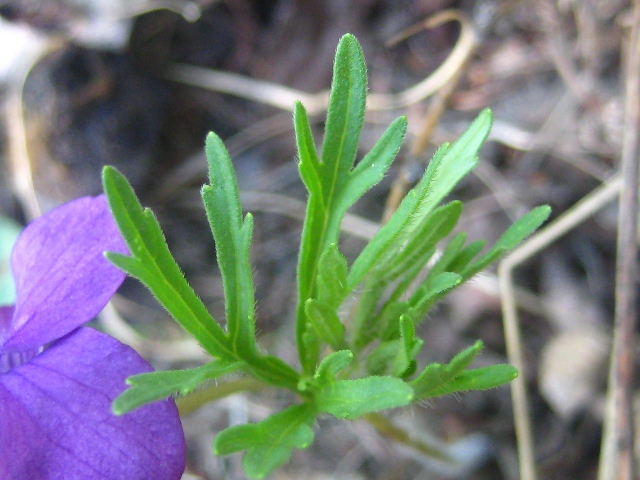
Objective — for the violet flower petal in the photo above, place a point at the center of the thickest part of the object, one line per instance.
(57, 421)
(6, 314)
(62, 278)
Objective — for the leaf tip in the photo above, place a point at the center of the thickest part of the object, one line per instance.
(347, 38)
(545, 210)
(109, 175)
(117, 409)
(487, 113)
(106, 170)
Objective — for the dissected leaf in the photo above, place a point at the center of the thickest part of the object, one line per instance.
(309, 163)
(149, 387)
(353, 398)
(327, 178)
(232, 237)
(407, 265)
(431, 290)
(436, 375)
(153, 265)
(517, 232)
(333, 184)
(269, 443)
(404, 267)
(371, 169)
(477, 379)
(415, 253)
(448, 166)
(392, 235)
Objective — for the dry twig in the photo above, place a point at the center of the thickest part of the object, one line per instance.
(617, 461)
(283, 97)
(584, 209)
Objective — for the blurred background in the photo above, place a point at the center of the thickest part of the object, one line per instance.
(86, 83)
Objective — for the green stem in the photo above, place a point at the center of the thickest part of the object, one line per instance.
(201, 397)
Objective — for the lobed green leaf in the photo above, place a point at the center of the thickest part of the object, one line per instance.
(448, 166)
(333, 184)
(436, 376)
(371, 169)
(309, 163)
(386, 269)
(477, 379)
(460, 158)
(353, 398)
(345, 116)
(153, 265)
(326, 179)
(517, 232)
(269, 443)
(416, 252)
(391, 236)
(232, 237)
(153, 386)
(429, 291)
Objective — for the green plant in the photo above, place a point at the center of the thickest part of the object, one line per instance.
(349, 367)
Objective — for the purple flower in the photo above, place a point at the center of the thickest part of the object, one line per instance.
(57, 379)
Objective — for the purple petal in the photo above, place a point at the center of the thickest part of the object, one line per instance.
(62, 278)
(57, 421)
(6, 314)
